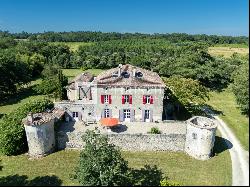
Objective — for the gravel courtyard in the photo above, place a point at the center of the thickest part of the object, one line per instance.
(168, 127)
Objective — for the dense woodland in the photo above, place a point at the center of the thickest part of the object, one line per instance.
(88, 36)
(26, 56)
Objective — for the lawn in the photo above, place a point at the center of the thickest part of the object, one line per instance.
(23, 96)
(225, 102)
(227, 51)
(56, 168)
(71, 73)
(74, 45)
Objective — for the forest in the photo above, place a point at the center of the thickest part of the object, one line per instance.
(26, 56)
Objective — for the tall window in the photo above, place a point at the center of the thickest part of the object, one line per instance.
(147, 113)
(127, 99)
(147, 99)
(106, 99)
(126, 113)
(75, 114)
(106, 113)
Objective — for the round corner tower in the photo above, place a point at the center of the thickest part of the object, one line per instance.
(200, 137)
(40, 135)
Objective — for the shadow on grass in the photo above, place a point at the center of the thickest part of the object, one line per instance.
(21, 180)
(147, 176)
(221, 145)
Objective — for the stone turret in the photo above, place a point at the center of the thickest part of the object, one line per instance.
(200, 137)
(40, 135)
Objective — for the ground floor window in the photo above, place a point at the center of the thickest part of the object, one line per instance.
(75, 114)
(106, 113)
(147, 114)
(126, 113)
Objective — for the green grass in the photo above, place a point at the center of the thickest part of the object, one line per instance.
(176, 165)
(225, 102)
(71, 73)
(74, 45)
(24, 95)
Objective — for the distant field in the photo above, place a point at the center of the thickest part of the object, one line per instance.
(71, 73)
(232, 45)
(226, 103)
(227, 51)
(74, 45)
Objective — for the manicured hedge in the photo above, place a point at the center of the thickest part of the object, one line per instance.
(12, 134)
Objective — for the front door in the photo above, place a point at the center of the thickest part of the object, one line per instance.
(147, 115)
(75, 116)
(126, 114)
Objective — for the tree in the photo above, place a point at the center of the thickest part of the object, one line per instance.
(54, 82)
(241, 87)
(186, 92)
(101, 164)
(12, 134)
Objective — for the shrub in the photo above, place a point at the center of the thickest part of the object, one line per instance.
(166, 182)
(101, 164)
(12, 134)
(155, 130)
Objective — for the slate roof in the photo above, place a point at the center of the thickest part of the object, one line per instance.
(148, 79)
(83, 77)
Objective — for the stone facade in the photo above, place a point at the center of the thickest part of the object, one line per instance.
(128, 93)
(200, 137)
(116, 106)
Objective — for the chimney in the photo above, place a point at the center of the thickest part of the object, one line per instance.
(134, 72)
(119, 70)
(30, 118)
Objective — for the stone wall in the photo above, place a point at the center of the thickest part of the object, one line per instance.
(129, 142)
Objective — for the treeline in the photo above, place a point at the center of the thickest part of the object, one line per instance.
(89, 36)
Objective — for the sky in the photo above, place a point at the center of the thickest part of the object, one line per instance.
(220, 17)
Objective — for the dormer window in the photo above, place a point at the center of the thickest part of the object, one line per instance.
(125, 74)
(115, 74)
(139, 74)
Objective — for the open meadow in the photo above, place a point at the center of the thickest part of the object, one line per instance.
(227, 51)
(224, 102)
(55, 169)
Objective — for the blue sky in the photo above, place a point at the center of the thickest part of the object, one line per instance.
(221, 17)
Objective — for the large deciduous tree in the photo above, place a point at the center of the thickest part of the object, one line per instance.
(241, 87)
(186, 92)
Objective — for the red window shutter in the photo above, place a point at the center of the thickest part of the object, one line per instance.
(151, 99)
(102, 99)
(130, 99)
(109, 99)
(123, 99)
(144, 99)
